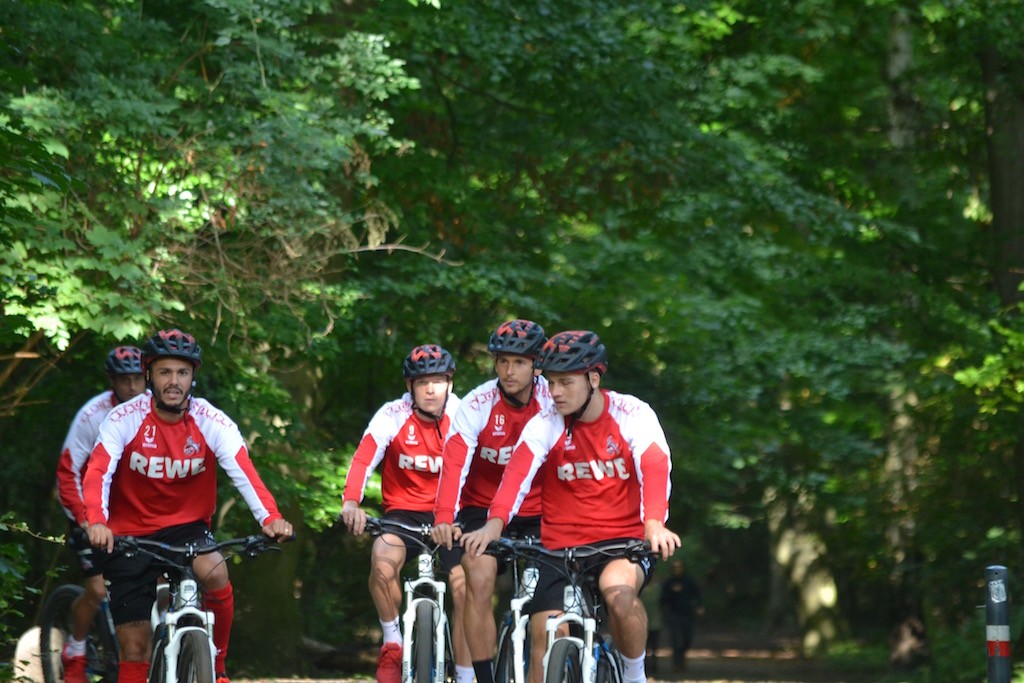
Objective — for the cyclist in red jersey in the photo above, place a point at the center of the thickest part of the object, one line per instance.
(405, 437)
(124, 370)
(606, 477)
(476, 450)
(152, 474)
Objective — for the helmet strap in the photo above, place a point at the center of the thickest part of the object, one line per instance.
(515, 402)
(436, 418)
(579, 413)
(183, 408)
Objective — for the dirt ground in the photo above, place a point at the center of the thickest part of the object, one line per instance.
(737, 657)
(719, 656)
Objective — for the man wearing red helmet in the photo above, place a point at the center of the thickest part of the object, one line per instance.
(476, 451)
(124, 370)
(153, 474)
(607, 462)
(405, 437)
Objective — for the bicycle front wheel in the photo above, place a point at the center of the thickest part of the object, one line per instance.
(55, 626)
(504, 667)
(609, 667)
(195, 662)
(565, 662)
(423, 644)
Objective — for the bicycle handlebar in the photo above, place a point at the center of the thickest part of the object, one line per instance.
(249, 546)
(633, 550)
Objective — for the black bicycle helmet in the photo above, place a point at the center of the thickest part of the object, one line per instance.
(124, 360)
(172, 344)
(573, 351)
(429, 359)
(519, 337)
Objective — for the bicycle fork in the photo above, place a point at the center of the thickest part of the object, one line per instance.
(440, 625)
(572, 604)
(527, 586)
(186, 607)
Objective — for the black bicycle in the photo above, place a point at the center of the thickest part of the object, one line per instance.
(55, 621)
(581, 652)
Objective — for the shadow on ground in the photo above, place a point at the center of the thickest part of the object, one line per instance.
(745, 657)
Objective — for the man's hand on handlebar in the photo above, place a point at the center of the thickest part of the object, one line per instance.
(354, 518)
(476, 542)
(100, 536)
(445, 534)
(280, 530)
(662, 540)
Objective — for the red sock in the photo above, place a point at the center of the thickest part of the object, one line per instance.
(132, 672)
(222, 603)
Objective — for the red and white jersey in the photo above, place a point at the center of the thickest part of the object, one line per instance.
(75, 452)
(408, 447)
(146, 474)
(600, 484)
(479, 446)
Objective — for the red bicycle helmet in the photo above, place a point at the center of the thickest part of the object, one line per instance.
(172, 344)
(519, 337)
(573, 351)
(124, 360)
(429, 359)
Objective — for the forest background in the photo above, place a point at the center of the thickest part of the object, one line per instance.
(798, 226)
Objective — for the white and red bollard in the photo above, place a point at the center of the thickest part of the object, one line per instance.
(997, 624)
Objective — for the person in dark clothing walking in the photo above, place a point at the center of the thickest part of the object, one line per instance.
(681, 602)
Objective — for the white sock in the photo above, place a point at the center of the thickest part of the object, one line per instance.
(633, 670)
(74, 647)
(464, 674)
(392, 631)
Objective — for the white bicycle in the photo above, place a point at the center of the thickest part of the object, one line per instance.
(581, 652)
(183, 649)
(427, 656)
(512, 658)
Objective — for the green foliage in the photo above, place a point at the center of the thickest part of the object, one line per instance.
(13, 570)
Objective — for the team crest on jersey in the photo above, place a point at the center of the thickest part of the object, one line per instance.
(611, 447)
(191, 447)
(410, 438)
(499, 425)
(149, 436)
(569, 445)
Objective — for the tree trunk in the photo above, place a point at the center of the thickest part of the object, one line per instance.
(798, 556)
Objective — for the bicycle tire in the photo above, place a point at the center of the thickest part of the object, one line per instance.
(157, 665)
(195, 661)
(564, 662)
(55, 623)
(423, 644)
(609, 667)
(504, 666)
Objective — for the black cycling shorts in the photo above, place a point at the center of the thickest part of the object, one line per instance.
(551, 583)
(474, 518)
(449, 558)
(133, 579)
